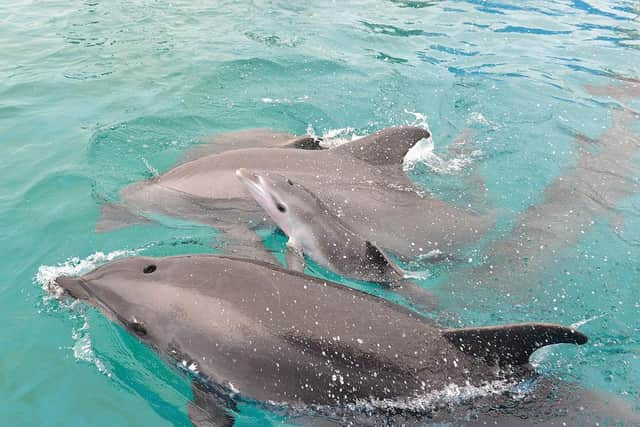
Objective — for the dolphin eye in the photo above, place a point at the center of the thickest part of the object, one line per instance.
(282, 208)
(289, 182)
(149, 269)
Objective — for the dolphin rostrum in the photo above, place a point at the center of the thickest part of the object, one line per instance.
(272, 335)
(361, 181)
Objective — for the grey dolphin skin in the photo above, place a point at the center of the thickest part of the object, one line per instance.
(361, 181)
(315, 231)
(270, 335)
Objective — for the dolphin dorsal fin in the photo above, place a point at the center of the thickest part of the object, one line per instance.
(386, 147)
(380, 259)
(511, 344)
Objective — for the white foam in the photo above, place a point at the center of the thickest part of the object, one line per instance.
(583, 322)
(423, 152)
(450, 396)
(153, 171)
(477, 117)
(299, 99)
(420, 120)
(75, 266)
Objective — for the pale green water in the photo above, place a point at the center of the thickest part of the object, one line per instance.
(96, 95)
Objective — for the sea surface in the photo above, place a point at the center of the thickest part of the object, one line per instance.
(96, 94)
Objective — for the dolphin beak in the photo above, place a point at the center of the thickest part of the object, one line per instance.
(74, 287)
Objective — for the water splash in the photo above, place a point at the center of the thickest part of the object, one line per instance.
(583, 322)
(83, 349)
(448, 397)
(46, 276)
(334, 137)
(299, 99)
(153, 171)
(75, 266)
(423, 152)
(451, 395)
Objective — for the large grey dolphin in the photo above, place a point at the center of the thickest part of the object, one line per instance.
(266, 334)
(362, 182)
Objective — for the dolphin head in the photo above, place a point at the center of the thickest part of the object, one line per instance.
(124, 290)
(289, 204)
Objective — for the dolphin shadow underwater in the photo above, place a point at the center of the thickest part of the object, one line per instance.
(252, 331)
(361, 181)
(605, 173)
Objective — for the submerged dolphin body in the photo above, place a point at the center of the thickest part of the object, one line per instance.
(361, 181)
(605, 173)
(277, 336)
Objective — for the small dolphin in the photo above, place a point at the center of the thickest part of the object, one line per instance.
(361, 181)
(316, 231)
(271, 335)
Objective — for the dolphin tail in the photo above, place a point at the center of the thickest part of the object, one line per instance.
(115, 217)
(511, 344)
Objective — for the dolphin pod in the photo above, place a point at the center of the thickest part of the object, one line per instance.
(253, 331)
(361, 181)
(265, 334)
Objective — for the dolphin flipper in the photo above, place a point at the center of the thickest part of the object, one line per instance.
(511, 344)
(208, 409)
(114, 217)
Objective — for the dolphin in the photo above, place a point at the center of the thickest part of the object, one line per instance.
(316, 231)
(162, 195)
(362, 182)
(254, 331)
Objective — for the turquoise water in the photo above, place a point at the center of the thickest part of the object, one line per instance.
(95, 95)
